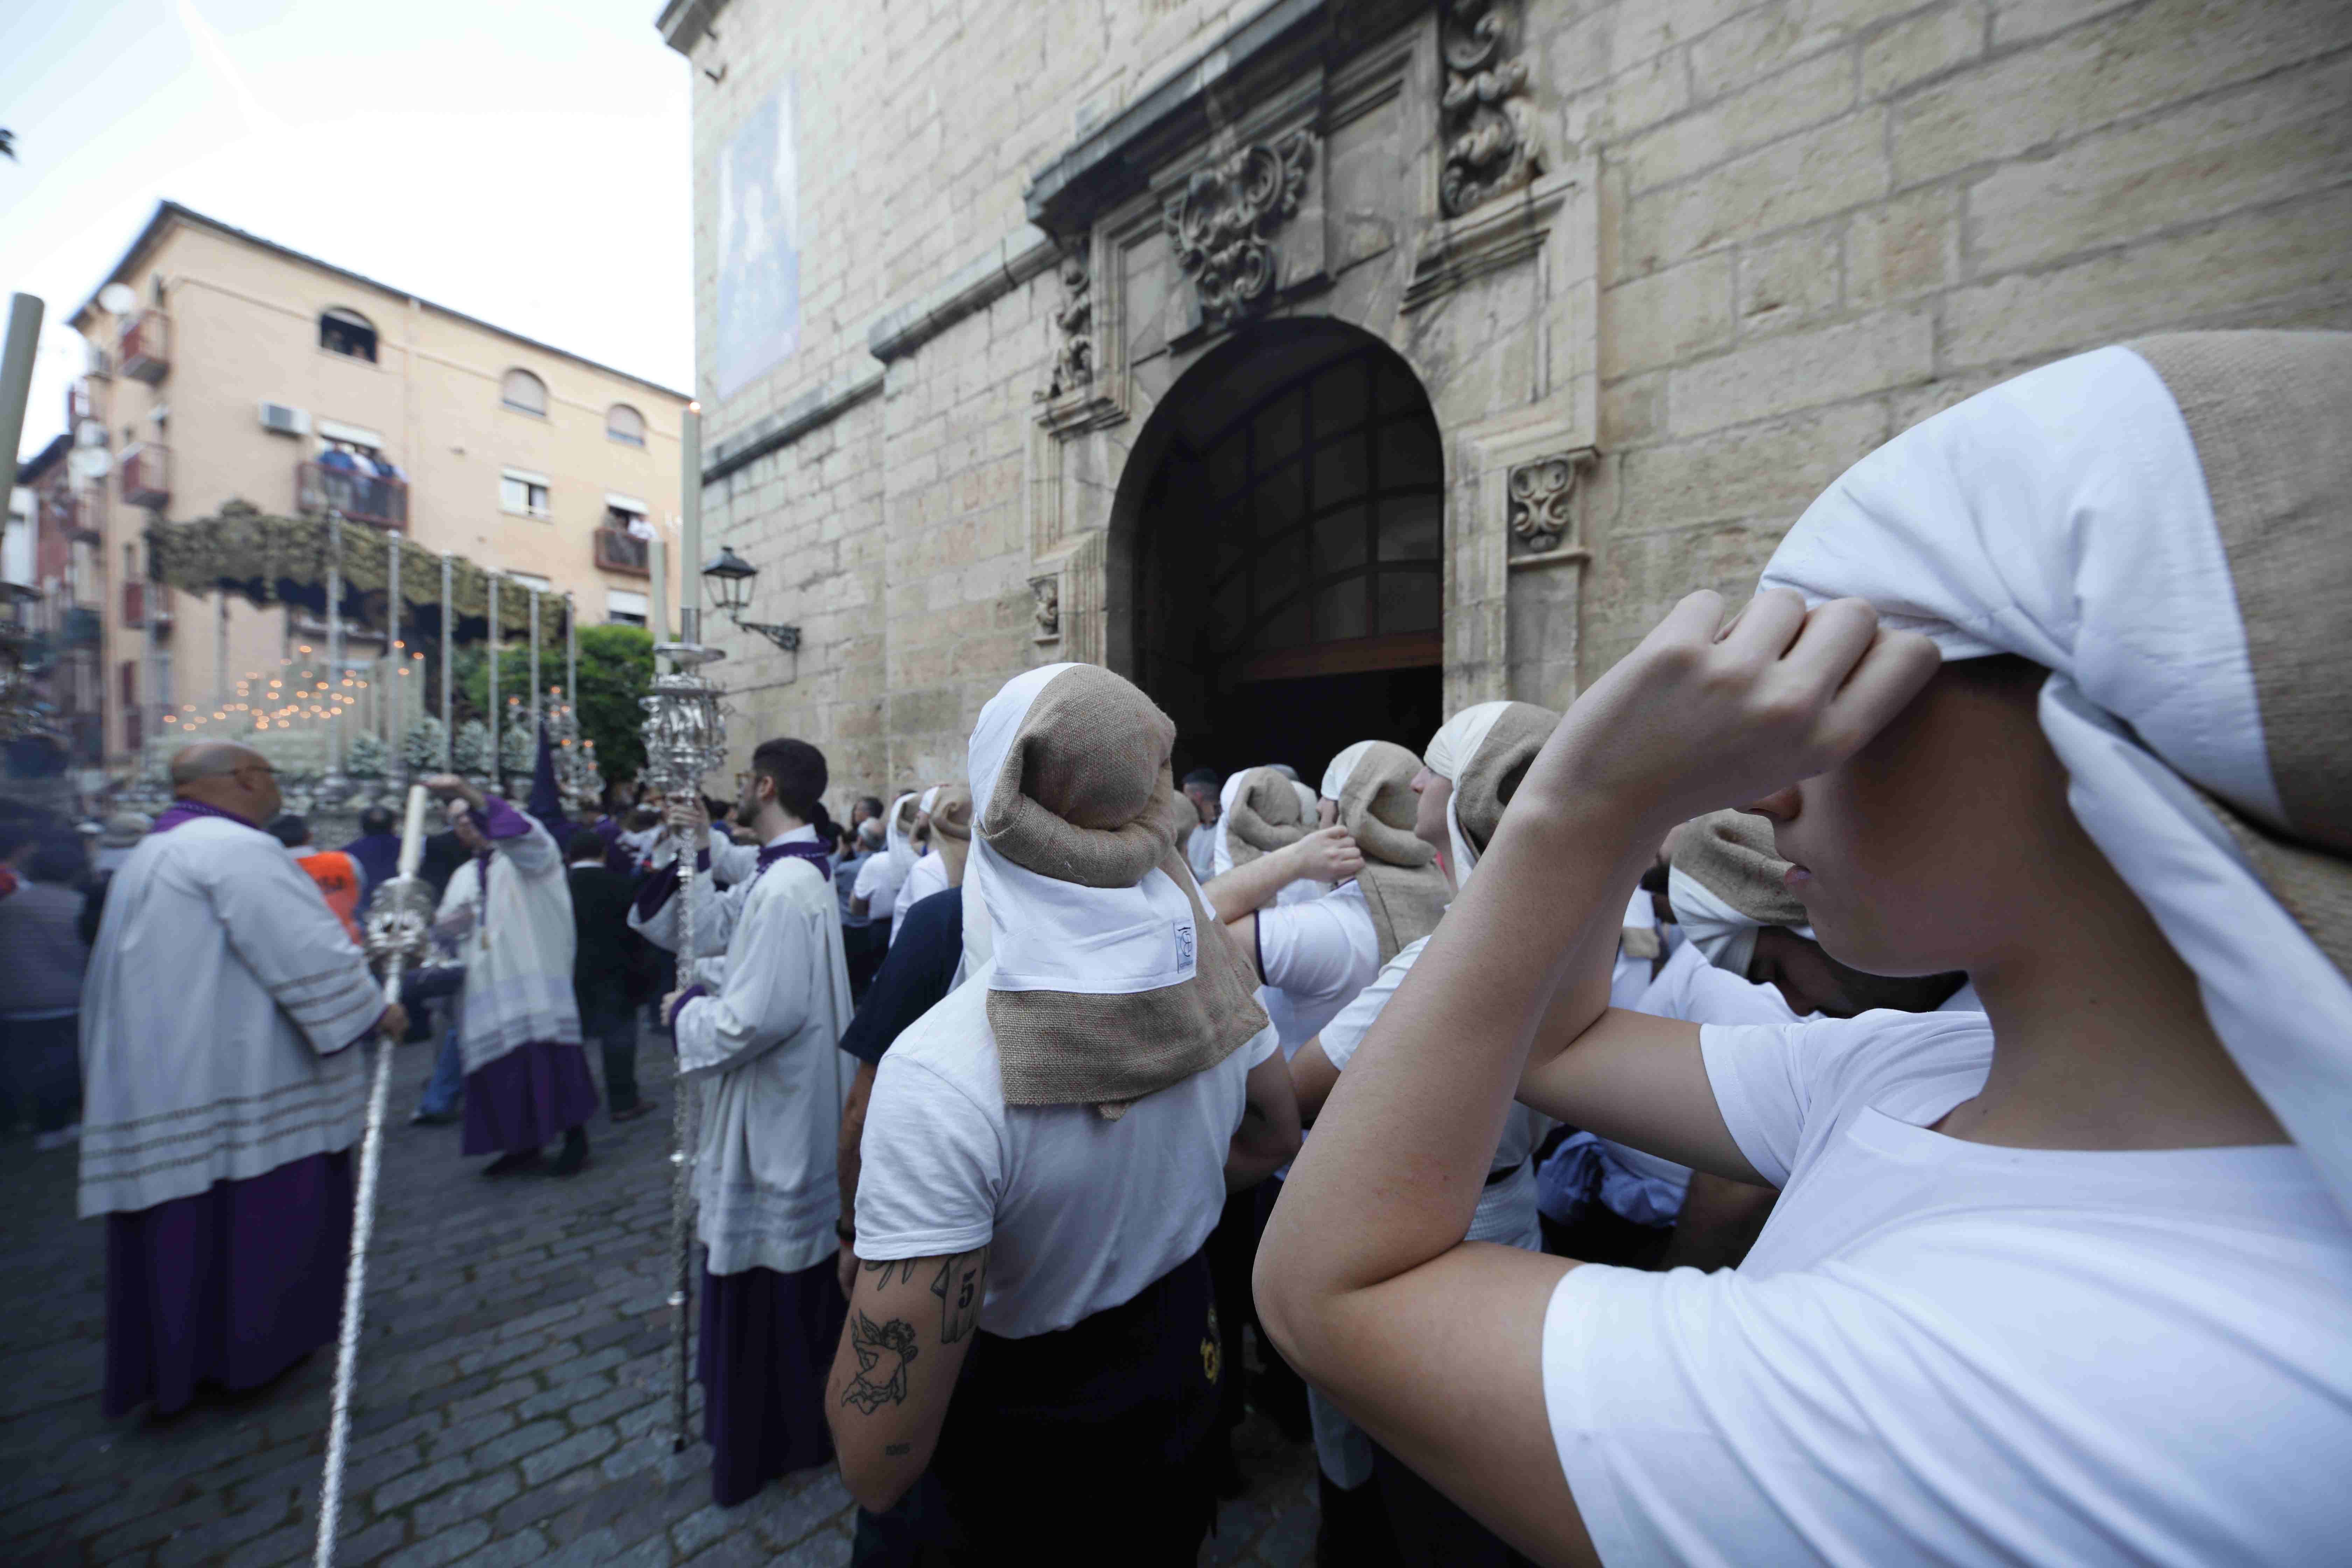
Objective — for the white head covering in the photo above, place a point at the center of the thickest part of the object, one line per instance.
(1335, 778)
(1722, 933)
(1065, 925)
(901, 845)
(1049, 935)
(1448, 754)
(2109, 523)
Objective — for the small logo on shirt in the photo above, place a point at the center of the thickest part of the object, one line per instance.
(1184, 945)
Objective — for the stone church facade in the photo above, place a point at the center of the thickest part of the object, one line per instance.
(1326, 364)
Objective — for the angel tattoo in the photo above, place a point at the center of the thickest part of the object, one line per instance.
(883, 1352)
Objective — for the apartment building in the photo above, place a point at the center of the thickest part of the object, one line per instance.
(224, 366)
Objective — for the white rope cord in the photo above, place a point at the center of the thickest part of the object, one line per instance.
(346, 1345)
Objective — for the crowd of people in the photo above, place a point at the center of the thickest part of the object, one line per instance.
(1869, 1081)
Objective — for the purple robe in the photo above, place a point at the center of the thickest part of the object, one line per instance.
(231, 1287)
(541, 1089)
(774, 1335)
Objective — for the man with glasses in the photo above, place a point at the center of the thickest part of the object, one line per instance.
(223, 1094)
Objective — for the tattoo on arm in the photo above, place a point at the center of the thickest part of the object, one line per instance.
(905, 1266)
(883, 1352)
(957, 1289)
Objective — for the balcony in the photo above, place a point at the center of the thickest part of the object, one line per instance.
(81, 627)
(144, 350)
(147, 475)
(362, 498)
(136, 597)
(619, 551)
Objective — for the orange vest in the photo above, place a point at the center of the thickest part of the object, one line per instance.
(338, 875)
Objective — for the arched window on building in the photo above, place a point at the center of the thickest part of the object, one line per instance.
(524, 392)
(348, 332)
(624, 424)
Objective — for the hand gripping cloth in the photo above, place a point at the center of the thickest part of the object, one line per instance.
(1401, 884)
(2167, 527)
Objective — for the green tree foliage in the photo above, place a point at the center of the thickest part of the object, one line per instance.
(616, 668)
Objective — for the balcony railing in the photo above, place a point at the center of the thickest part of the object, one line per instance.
(620, 551)
(147, 475)
(144, 350)
(361, 498)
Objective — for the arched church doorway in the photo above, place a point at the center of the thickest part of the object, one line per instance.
(1286, 551)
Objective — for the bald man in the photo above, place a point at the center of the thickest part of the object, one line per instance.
(222, 1002)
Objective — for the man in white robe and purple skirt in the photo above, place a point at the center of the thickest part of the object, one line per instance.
(220, 1018)
(510, 908)
(759, 1034)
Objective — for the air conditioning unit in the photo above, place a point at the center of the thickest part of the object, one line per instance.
(280, 420)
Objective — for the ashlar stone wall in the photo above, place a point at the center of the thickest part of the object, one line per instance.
(1786, 230)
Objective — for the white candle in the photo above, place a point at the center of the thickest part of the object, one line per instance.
(659, 570)
(412, 833)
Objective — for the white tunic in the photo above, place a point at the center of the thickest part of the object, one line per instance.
(517, 951)
(218, 1002)
(766, 1046)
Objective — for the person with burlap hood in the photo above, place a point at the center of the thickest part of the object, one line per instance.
(1045, 1153)
(1473, 766)
(2047, 691)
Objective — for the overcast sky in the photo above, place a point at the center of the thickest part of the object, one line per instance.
(523, 161)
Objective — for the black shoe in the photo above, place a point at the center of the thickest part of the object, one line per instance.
(574, 1154)
(507, 1164)
(434, 1118)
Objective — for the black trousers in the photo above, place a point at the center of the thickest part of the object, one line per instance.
(1085, 1446)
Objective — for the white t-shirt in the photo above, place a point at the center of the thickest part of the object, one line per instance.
(1941, 1351)
(1315, 957)
(877, 884)
(1079, 1213)
(930, 876)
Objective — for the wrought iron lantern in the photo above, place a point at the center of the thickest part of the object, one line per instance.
(730, 576)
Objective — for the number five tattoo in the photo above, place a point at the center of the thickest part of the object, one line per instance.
(957, 1289)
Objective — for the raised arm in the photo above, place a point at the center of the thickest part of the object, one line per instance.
(1327, 854)
(654, 913)
(1432, 1344)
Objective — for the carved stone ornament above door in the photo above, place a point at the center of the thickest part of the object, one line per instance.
(1491, 146)
(1073, 333)
(1540, 495)
(1224, 222)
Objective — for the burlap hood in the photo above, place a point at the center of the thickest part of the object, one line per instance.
(1485, 751)
(1107, 982)
(1724, 884)
(1401, 881)
(1264, 815)
(2168, 528)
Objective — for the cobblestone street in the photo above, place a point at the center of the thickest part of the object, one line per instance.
(511, 1403)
